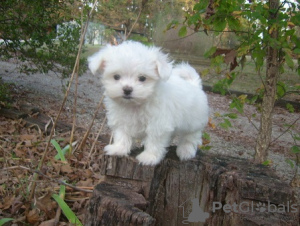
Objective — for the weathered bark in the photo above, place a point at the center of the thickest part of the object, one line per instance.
(267, 106)
(178, 193)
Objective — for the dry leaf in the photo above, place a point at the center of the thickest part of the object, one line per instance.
(33, 216)
(48, 223)
(28, 137)
(47, 205)
(7, 202)
(211, 124)
(86, 183)
(66, 168)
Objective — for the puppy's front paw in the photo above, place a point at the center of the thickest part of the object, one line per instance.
(186, 152)
(147, 158)
(113, 149)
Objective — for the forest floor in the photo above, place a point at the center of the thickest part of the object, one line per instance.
(22, 147)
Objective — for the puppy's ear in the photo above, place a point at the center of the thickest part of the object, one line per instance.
(164, 66)
(97, 62)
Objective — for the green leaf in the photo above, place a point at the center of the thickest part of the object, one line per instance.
(258, 55)
(296, 137)
(230, 78)
(289, 60)
(234, 24)
(220, 87)
(58, 149)
(67, 211)
(205, 148)
(206, 136)
(253, 99)
(64, 150)
(219, 24)
(210, 52)
(267, 162)
(290, 108)
(281, 89)
(173, 24)
(202, 5)
(62, 191)
(296, 51)
(295, 149)
(5, 220)
(236, 103)
(290, 162)
(194, 19)
(231, 115)
(182, 31)
(226, 124)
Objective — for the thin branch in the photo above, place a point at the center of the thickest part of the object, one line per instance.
(99, 132)
(173, 40)
(82, 144)
(252, 123)
(284, 132)
(138, 17)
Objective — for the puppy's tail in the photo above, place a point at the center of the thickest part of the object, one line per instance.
(189, 74)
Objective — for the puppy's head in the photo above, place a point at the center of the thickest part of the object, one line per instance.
(131, 70)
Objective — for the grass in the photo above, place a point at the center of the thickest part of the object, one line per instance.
(71, 216)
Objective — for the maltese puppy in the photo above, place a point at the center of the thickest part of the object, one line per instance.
(149, 99)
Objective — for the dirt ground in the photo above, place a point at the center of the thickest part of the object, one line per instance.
(46, 91)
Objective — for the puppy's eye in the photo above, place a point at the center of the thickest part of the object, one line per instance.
(142, 78)
(117, 77)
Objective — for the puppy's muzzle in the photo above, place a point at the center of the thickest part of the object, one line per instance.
(127, 90)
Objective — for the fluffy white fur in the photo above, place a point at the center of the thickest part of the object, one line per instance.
(147, 98)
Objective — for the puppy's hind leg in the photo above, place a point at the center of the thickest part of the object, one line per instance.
(121, 145)
(187, 146)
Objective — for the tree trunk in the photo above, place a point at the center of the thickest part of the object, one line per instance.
(207, 190)
(267, 106)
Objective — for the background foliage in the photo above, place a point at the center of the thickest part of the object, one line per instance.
(28, 30)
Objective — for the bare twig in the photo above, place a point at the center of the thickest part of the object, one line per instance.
(177, 39)
(74, 114)
(57, 216)
(252, 123)
(94, 143)
(75, 92)
(82, 144)
(144, 2)
(284, 132)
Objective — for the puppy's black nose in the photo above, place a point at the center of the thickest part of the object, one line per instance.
(127, 90)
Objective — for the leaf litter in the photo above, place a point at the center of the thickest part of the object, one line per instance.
(21, 149)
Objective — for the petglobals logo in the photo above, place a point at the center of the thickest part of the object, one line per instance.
(248, 207)
(192, 212)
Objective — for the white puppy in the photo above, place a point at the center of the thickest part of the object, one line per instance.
(147, 98)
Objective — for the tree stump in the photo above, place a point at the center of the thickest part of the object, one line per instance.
(207, 190)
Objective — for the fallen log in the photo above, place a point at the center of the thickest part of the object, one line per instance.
(207, 190)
